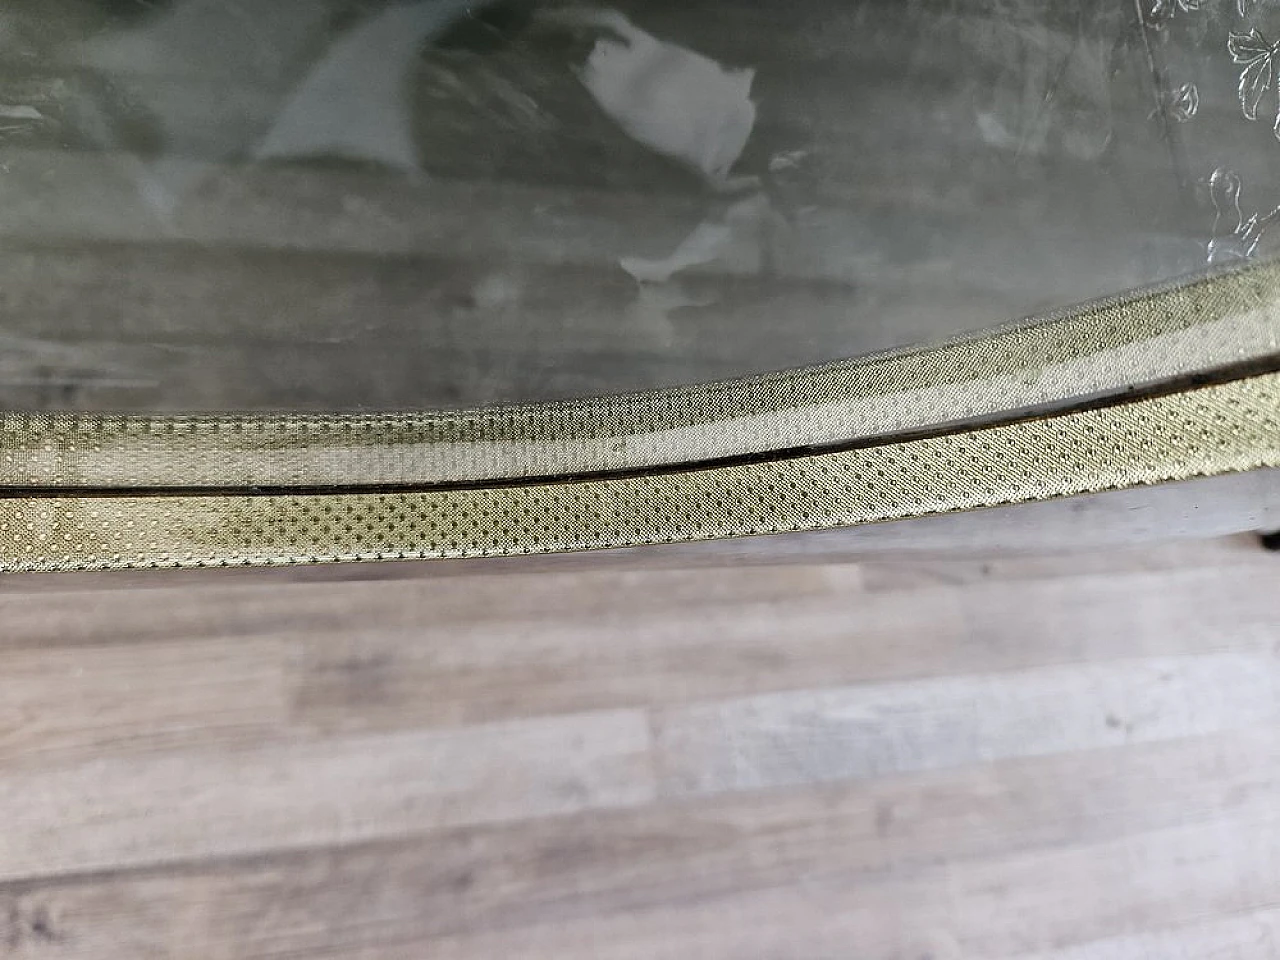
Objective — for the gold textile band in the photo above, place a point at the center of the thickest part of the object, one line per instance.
(1224, 428)
(1101, 349)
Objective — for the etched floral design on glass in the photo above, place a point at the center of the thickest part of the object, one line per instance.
(1235, 237)
(1258, 57)
(1162, 11)
(1180, 104)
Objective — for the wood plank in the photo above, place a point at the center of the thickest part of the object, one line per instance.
(433, 651)
(1253, 936)
(177, 805)
(878, 730)
(414, 608)
(622, 870)
(66, 703)
(912, 573)
(488, 666)
(1034, 900)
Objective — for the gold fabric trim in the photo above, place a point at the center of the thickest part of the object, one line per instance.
(1104, 348)
(1214, 430)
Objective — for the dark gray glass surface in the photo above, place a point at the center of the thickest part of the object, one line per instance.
(351, 204)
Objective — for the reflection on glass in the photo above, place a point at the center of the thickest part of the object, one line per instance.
(355, 204)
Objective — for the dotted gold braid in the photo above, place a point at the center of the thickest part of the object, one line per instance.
(83, 492)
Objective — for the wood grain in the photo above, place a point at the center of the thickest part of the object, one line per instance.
(1049, 898)
(221, 802)
(65, 703)
(861, 732)
(616, 864)
(1254, 936)
(1052, 758)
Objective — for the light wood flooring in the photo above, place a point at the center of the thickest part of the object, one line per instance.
(1042, 758)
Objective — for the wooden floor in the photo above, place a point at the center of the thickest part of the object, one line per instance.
(1072, 758)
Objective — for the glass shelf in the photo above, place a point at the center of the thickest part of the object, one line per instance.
(344, 205)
